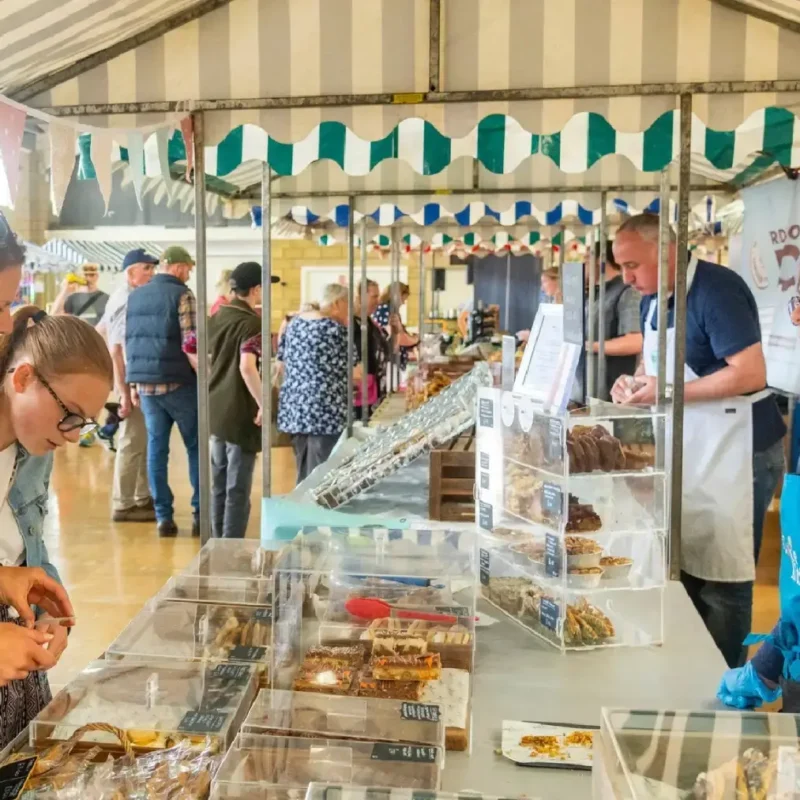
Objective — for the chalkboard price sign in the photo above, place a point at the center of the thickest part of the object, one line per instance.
(263, 615)
(486, 412)
(246, 652)
(485, 566)
(554, 445)
(552, 500)
(484, 461)
(418, 754)
(552, 556)
(574, 289)
(486, 516)
(14, 776)
(549, 613)
(484, 480)
(231, 674)
(202, 722)
(422, 712)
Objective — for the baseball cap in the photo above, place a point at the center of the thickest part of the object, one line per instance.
(176, 254)
(248, 275)
(138, 256)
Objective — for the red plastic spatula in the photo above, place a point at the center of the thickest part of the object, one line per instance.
(373, 608)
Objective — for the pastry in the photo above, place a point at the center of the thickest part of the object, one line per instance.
(370, 686)
(319, 677)
(337, 656)
(388, 644)
(407, 668)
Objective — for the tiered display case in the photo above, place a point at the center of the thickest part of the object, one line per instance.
(697, 755)
(384, 600)
(572, 513)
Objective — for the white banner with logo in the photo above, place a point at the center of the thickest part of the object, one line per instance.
(770, 263)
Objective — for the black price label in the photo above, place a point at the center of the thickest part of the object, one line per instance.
(552, 500)
(574, 293)
(421, 712)
(231, 674)
(485, 566)
(263, 615)
(227, 697)
(555, 431)
(486, 412)
(418, 754)
(14, 776)
(485, 516)
(484, 480)
(453, 611)
(202, 722)
(247, 652)
(552, 555)
(484, 461)
(549, 613)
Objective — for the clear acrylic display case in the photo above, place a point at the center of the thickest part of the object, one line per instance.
(218, 591)
(572, 514)
(165, 630)
(386, 601)
(235, 559)
(697, 755)
(327, 791)
(157, 705)
(331, 717)
(259, 761)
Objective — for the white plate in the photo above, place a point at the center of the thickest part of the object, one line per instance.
(573, 757)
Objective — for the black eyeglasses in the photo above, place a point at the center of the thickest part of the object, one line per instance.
(71, 421)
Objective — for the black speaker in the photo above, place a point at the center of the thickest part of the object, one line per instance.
(438, 280)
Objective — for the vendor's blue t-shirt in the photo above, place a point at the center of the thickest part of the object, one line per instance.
(722, 320)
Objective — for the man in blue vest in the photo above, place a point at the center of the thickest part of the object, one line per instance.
(161, 316)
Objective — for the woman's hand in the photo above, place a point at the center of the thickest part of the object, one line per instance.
(357, 373)
(23, 587)
(59, 633)
(23, 651)
(258, 418)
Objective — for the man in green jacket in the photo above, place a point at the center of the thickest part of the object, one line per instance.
(235, 417)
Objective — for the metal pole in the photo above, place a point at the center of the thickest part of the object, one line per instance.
(679, 293)
(364, 326)
(663, 288)
(394, 308)
(351, 274)
(790, 434)
(421, 290)
(602, 389)
(203, 423)
(591, 328)
(266, 331)
(507, 308)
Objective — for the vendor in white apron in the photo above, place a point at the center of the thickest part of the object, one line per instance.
(733, 453)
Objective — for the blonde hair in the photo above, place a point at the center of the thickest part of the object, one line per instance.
(334, 292)
(224, 282)
(551, 272)
(55, 346)
(398, 286)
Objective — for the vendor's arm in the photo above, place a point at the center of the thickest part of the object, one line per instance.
(628, 345)
(628, 340)
(746, 372)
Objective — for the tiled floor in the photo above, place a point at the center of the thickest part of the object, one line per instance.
(111, 570)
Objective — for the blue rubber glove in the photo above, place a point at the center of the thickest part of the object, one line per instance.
(743, 688)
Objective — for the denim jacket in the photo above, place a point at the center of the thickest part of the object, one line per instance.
(28, 500)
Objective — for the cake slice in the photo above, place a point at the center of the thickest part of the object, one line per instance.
(407, 668)
(370, 686)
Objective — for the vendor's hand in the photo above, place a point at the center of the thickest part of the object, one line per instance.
(621, 391)
(23, 651)
(743, 687)
(59, 633)
(23, 587)
(523, 336)
(795, 315)
(645, 392)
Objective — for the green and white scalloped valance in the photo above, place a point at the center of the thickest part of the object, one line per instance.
(498, 142)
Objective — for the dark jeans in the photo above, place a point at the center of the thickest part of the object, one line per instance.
(727, 608)
(311, 451)
(231, 484)
(160, 413)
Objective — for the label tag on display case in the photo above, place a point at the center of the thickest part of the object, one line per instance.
(419, 754)
(226, 698)
(246, 652)
(549, 613)
(453, 611)
(486, 516)
(552, 498)
(202, 722)
(421, 712)
(555, 432)
(14, 776)
(263, 615)
(486, 412)
(485, 566)
(231, 674)
(484, 480)
(484, 459)
(552, 555)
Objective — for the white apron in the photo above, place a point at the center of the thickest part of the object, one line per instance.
(717, 519)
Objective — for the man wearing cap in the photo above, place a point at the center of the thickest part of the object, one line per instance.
(235, 412)
(131, 500)
(160, 316)
(82, 299)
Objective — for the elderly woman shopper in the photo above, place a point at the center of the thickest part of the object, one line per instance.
(313, 398)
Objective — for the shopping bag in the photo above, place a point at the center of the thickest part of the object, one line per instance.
(372, 392)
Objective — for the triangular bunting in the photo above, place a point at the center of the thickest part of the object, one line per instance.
(136, 157)
(12, 128)
(101, 145)
(62, 162)
(187, 129)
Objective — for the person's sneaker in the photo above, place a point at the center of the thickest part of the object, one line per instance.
(167, 529)
(148, 505)
(134, 514)
(195, 527)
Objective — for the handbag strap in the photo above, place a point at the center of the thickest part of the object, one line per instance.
(87, 305)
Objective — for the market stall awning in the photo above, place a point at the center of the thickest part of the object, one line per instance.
(285, 66)
(108, 255)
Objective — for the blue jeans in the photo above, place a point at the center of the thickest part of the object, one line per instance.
(231, 483)
(160, 412)
(727, 608)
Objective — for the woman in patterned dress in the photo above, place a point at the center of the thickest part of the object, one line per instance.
(313, 397)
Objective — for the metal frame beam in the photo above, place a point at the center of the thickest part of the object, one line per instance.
(101, 57)
(434, 45)
(420, 98)
(760, 13)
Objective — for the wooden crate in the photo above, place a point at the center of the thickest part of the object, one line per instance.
(451, 490)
